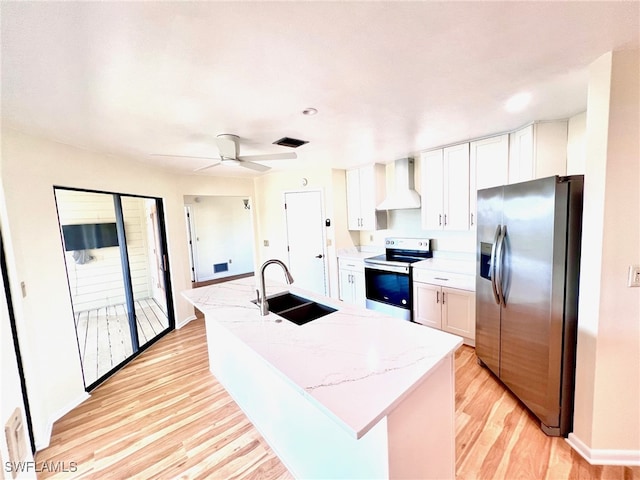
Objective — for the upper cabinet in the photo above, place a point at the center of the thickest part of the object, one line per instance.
(445, 188)
(365, 190)
(489, 167)
(538, 150)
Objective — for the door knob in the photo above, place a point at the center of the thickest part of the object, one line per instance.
(319, 256)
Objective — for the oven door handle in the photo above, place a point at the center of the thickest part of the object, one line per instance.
(370, 261)
(386, 268)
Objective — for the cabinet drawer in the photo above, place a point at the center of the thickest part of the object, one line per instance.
(445, 279)
(349, 264)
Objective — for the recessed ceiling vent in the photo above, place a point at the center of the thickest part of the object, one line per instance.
(290, 142)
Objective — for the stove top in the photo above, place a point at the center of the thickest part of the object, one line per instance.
(402, 251)
(398, 258)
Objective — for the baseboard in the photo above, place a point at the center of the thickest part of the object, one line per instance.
(57, 416)
(628, 458)
(185, 321)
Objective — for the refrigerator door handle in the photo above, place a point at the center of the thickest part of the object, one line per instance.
(499, 265)
(492, 264)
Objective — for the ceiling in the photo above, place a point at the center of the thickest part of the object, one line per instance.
(387, 78)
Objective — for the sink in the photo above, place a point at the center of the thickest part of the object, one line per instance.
(305, 313)
(295, 308)
(284, 301)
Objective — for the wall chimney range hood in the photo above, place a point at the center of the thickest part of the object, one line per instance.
(404, 194)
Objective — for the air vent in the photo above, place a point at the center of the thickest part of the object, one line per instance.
(290, 142)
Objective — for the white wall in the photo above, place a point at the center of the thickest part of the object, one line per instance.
(223, 233)
(30, 168)
(607, 410)
(10, 394)
(271, 220)
(576, 151)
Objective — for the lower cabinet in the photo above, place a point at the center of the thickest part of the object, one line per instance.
(351, 281)
(449, 309)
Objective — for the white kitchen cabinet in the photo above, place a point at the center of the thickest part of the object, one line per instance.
(440, 306)
(538, 150)
(445, 188)
(488, 167)
(459, 313)
(351, 281)
(365, 191)
(426, 305)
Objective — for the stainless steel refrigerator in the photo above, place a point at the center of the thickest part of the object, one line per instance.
(528, 261)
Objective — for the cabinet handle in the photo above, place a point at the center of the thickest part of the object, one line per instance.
(440, 219)
(438, 297)
(472, 219)
(443, 298)
(445, 219)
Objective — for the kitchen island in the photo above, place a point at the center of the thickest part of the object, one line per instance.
(353, 394)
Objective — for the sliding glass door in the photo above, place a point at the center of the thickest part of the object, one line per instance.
(114, 247)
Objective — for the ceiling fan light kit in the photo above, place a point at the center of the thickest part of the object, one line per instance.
(229, 149)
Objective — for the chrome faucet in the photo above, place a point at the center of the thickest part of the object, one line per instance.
(262, 297)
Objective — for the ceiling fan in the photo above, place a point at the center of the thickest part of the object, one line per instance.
(229, 149)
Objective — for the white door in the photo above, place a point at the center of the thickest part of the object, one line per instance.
(305, 240)
(188, 215)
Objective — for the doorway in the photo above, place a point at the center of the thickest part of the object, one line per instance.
(306, 241)
(117, 269)
(220, 233)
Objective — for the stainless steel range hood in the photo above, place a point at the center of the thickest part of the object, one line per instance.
(403, 195)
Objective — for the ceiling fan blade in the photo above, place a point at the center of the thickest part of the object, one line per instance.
(207, 166)
(269, 156)
(180, 156)
(255, 166)
(227, 145)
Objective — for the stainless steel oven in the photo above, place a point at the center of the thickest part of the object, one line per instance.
(388, 276)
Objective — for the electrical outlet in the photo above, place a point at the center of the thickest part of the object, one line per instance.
(634, 276)
(265, 243)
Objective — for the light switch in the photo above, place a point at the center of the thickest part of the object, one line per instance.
(634, 276)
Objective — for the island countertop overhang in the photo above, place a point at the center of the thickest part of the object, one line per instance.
(356, 365)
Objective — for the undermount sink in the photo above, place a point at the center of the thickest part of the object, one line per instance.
(296, 309)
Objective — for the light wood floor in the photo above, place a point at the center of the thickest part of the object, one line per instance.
(165, 416)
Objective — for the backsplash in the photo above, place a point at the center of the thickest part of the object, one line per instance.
(407, 223)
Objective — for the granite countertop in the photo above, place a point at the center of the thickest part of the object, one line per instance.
(354, 364)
